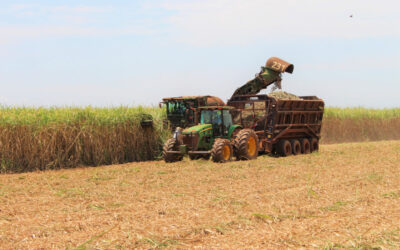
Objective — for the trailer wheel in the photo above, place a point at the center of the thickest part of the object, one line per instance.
(284, 148)
(170, 145)
(246, 145)
(305, 146)
(296, 148)
(222, 150)
(314, 145)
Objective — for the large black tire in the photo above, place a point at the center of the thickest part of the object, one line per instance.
(246, 145)
(296, 147)
(284, 148)
(305, 146)
(222, 150)
(171, 145)
(314, 145)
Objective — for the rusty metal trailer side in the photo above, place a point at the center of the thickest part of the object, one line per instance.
(275, 120)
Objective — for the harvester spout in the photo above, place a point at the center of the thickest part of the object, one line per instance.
(270, 74)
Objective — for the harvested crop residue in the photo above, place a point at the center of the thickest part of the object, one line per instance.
(347, 195)
(284, 95)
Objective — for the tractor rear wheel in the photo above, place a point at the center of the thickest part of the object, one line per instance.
(296, 148)
(284, 148)
(170, 145)
(222, 150)
(305, 146)
(246, 145)
(314, 145)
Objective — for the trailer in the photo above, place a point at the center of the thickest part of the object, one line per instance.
(283, 126)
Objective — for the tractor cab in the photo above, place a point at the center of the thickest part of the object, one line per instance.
(220, 119)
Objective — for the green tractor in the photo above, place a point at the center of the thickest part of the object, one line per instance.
(215, 136)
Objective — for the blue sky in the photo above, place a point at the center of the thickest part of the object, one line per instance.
(108, 53)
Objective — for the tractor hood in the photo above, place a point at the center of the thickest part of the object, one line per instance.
(197, 129)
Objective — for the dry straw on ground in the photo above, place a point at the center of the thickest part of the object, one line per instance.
(345, 196)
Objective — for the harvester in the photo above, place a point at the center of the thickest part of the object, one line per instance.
(183, 111)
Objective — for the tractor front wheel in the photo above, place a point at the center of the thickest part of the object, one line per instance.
(222, 150)
(171, 145)
(246, 144)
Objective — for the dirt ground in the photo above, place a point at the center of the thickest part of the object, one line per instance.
(345, 196)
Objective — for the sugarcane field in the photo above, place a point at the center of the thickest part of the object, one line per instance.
(199, 125)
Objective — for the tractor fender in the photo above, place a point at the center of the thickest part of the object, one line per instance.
(232, 128)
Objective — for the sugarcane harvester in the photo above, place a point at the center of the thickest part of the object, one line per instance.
(183, 111)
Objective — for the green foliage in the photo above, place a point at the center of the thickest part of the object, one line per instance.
(65, 137)
(72, 115)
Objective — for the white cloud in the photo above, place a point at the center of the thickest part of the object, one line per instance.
(79, 14)
(65, 21)
(78, 9)
(57, 9)
(21, 6)
(224, 22)
(227, 22)
(19, 33)
(12, 34)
